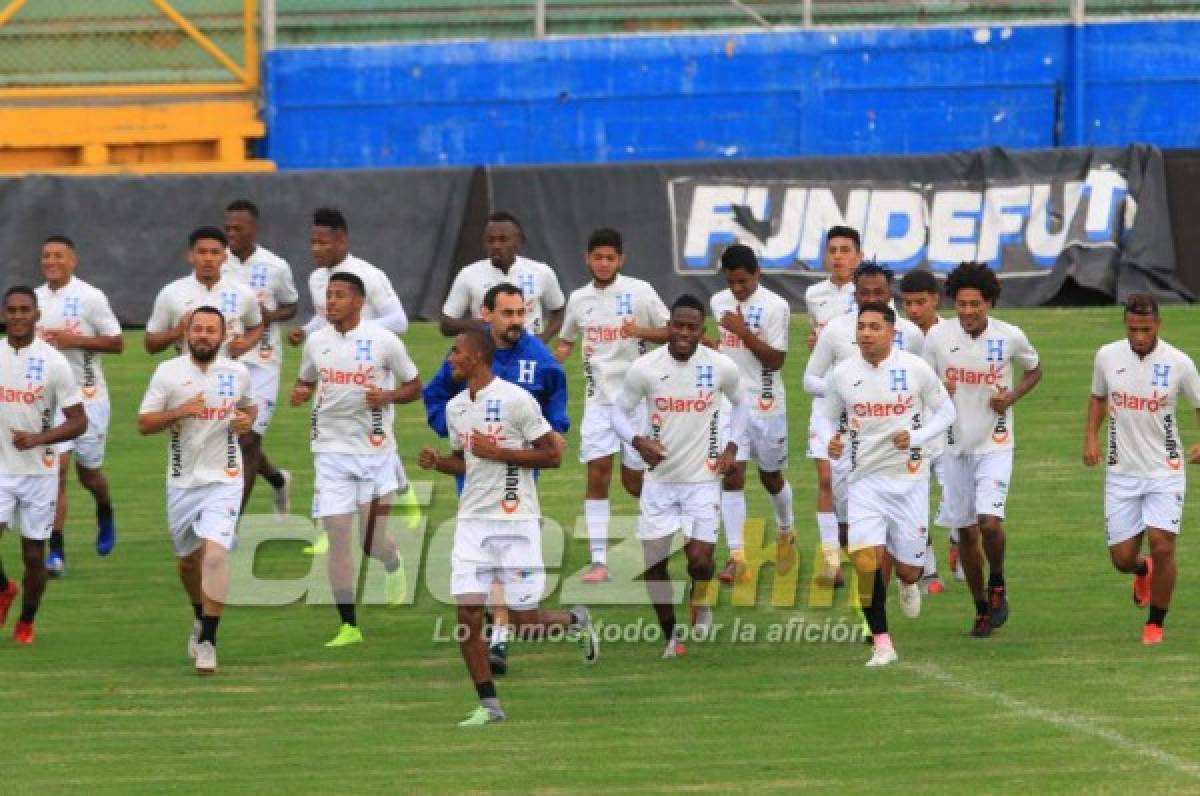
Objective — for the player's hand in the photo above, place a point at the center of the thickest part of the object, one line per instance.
(727, 460)
(811, 339)
(238, 346)
(179, 333)
(734, 322)
(1194, 454)
(296, 335)
(630, 329)
(192, 407)
(836, 447)
(24, 440)
(1001, 400)
(951, 385)
(427, 459)
(652, 451)
(377, 398)
(484, 446)
(902, 440)
(560, 442)
(301, 393)
(241, 422)
(60, 338)
(1091, 452)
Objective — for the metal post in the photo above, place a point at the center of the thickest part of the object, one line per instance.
(1078, 11)
(268, 24)
(807, 13)
(539, 18)
(1078, 135)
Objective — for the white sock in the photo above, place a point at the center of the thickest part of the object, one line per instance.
(827, 525)
(782, 503)
(930, 560)
(499, 634)
(595, 516)
(733, 514)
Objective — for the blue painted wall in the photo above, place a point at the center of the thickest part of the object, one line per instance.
(734, 95)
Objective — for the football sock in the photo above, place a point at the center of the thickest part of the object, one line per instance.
(1157, 616)
(733, 514)
(596, 515)
(275, 479)
(345, 607)
(56, 542)
(208, 629)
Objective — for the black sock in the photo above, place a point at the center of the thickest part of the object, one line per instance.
(1157, 616)
(3, 578)
(345, 607)
(876, 612)
(668, 628)
(275, 479)
(393, 565)
(982, 608)
(104, 512)
(486, 689)
(198, 610)
(29, 611)
(56, 542)
(208, 629)
(1142, 567)
(996, 580)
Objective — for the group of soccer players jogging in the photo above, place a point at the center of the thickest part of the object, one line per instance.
(895, 401)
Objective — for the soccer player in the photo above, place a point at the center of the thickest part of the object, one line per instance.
(76, 319)
(974, 355)
(920, 294)
(203, 399)
(753, 325)
(616, 315)
(681, 384)
(1136, 383)
(544, 302)
(356, 365)
(498, 438)
(36, 383)
(834, 296)
(894, 404)
(205, 287)
(837, 343)
(270, 277)
(521, 359)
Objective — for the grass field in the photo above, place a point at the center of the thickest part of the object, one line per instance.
(1063, 698)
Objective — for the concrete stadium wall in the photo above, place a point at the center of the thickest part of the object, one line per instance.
(735, 95)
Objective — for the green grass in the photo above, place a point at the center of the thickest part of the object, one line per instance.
(1064, 698)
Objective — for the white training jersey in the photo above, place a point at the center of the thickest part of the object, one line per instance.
(511, 418)
(1143, 417)
(768, 316)
(379, 291)
(536, 281)
(826, 301)
(36, 383)
(880, 401)
(84, 310)
(201, 450)
(234, 300)
(979, 367)
(598, 315)
(683, 401)
(270, 277)
(344, 366)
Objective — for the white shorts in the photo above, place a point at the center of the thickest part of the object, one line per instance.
(264, 390)
(203, 512)
(346, 481)
(667, 507)
(598, 439)
(974, 484)
(1133, 504)
(508, 552)
(893, 512)
(30, 499)
(89, 446)
(766, 439)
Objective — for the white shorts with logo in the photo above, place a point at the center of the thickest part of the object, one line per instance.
(974, 484)
(1133, 504)
(893, 512)
(264, 390)
(89, 446)
(765, 438)
(29, 500)
(508, 552)
(670, 506)
(347, 481)
(598, 439)
(197, 513)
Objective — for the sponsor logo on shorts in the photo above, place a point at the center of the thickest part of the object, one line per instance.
(1000, 432)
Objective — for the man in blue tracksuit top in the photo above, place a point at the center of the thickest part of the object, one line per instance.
(525, 361)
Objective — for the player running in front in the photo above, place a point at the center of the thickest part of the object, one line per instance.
(204, 400)
(1136, 383)
(893, 404)
(681, 385)
(974, 355)
(36, 383)
(498, 437)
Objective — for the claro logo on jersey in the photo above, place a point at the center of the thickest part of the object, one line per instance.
(362, 376)
(1130, 402)
(992, 377)
(898, 408)
(15, 395)
(684, 406)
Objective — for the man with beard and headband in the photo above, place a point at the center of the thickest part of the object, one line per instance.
(203, 399)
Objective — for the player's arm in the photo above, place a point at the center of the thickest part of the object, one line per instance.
(934, 423)
(545, 453)
(817, 367)
(568, 333)
(554, 320)
(390, 314)
(554, 306)
(252, 329)
(453, 464)
(654, 330)
(457, 306)
(554, 383)
(735, 323)
(455, 326)
(74, 423)
(154, 421)
(403, 370)
(160, 331)
(633, 393)
(282, 312)
(1003, 399)
(825, 425)
(107, 341)
(563, 349)
(306, 379)
(1097, 411)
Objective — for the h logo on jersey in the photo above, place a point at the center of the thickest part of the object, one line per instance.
(1161, 376)
(898, 340)
(71, 307)
(704, 377)
(362, 350)
(229, 303)
(624, 304)
(35, 369)
(754, 317)
(899, 380)
(525, 283)
(491, 410)
(526, 368)
(225, 385)
(258, 276)
(995, 349)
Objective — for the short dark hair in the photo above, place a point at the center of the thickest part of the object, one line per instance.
(689, 302)
(974, 275)
(739, 257)
(244, 206)
(842, 231)
(63, 239)
(21, 290)
(605, 236)
(872, 268)
(887, 312)
(507, 288)
(919, 281)
(481, 343)
(207, 309)
(501, 216)
(207, 233)
(353, 280)
(1141, 304)
(330, 217)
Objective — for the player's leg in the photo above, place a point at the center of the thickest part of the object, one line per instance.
(733, 517)
(779, 492)
(473, 648)
(281, 484)
(251, 445)
(698, 504)
(95, 482)
(379, 544)
(656, 554)
(33, 553)
(931, 581)
(182, 510)
(958, 496)
(865, 540)
(215, 526)
(1162, 582)
(190, 567)
(596, 516)
(992, 474)
(35, 501)
(342, 574)
(8, 587)
(908, 539)
(56, 561)
(827, 522)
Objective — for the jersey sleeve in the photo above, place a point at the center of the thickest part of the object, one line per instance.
(634, 388)
(435, 395)
(399, 362)
(777, 329)
(244, 397)
(1024, 354)
(160, 317)
(251, 315)
(821, 359)
(450, 430)
(459, 297)
(933, 392)
(308, 367)
(530, 423)
(1190, 386)
(731, 382)
(552, 296)
(834, 404)
(657, 313)
(1099, 382)
(102, 318)
(66, 391)
(155, 399)
(570, 325)
(285, 288)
